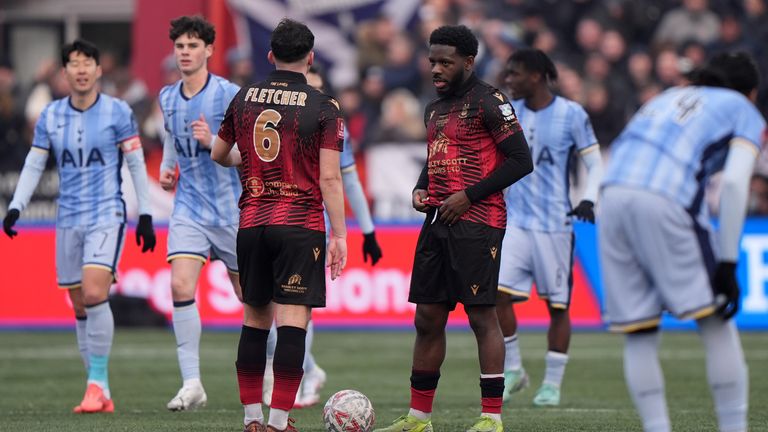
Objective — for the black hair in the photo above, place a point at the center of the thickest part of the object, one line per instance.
(458, 36)
(734, 70)
(194, 26)
(291, 41)
(82, 46)
(535, 60)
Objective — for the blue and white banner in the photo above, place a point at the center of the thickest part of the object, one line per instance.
(334, 23)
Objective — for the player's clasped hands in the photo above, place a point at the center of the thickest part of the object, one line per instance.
(453, 207)
(336, 255)
(202, 132)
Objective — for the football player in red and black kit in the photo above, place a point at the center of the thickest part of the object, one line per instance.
(476, 148)
(289, 137)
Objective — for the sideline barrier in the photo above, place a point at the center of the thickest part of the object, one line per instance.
(363, 296)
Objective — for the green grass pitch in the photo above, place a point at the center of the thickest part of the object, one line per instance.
(41, 379)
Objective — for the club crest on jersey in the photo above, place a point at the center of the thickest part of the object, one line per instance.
(464, 111)
(255, 186)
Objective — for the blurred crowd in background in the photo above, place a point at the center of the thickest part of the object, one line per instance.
(612, 56)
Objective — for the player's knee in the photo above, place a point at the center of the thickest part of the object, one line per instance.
(182, 288)
(483, 321)
(425, 326)
(91, 298)
(558, 314)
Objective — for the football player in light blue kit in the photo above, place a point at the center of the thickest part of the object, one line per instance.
(314, 376)
(89, 134)
(205, 214)
(538, 244)
(654, 232)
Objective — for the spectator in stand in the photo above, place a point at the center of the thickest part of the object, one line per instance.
(691, 21)
(607, 120)
(640, 69)
(49, 85)
(570, 84)
(240, 67)
(695, 53)
(756, 21)
(13, 148)
(400, 121)
(589, 34)
(732, 37)
(758, 195)
(667, 68)
(401, 69)
(373, 42)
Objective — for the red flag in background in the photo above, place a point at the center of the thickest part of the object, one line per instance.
(150, 36)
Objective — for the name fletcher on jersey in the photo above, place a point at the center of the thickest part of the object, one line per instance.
(276, 96)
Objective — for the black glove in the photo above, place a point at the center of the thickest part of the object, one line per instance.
(726, 289)
(145, 231)
(10, 220)
(371, 248)
(585, 211)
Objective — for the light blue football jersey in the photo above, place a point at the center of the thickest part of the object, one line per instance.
(206, 193)
(347, 157)
(540, 201)
(88, 156)
(679, 138)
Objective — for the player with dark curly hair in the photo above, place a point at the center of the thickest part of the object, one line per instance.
(204, 219)
(475, 149)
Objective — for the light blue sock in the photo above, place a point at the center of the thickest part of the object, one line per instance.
(272, 341)
(309, 359)
(187, 328)
(100, 330)
(82, 340)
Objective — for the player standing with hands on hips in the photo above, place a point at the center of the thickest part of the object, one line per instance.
(290, 138)
(538, 244)
(654, 231)
(89, 134)
(476, 148)
(204, 219)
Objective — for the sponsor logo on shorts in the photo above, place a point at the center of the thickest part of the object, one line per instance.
(293, 286)
(474, 288)
(316, 251)
(294, 279)
(493, 252)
